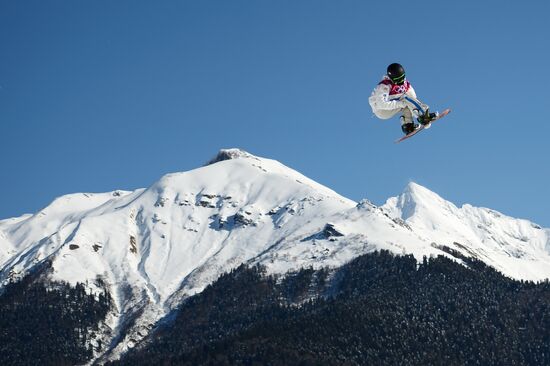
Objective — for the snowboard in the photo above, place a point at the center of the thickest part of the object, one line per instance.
(423, 127)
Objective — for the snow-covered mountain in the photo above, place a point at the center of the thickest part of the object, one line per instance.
(153, 247)
(518, 248)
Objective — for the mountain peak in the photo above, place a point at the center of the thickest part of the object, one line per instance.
(414, 192)
(158, 245)
(415, 199)
(229, 154)
(415, 188)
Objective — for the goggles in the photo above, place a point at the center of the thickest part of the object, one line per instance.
(398, 80)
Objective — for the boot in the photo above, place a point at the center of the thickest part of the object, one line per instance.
(408, 127)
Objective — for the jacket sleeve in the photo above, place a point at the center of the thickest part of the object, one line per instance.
(411, 92)
(380, 99)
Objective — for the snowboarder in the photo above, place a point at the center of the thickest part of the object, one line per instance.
(395, 94)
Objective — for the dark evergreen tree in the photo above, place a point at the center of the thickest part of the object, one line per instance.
(379, 309)
(48, 324)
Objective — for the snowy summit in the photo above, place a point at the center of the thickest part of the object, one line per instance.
(153, 247)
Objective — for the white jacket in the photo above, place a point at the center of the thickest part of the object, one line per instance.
(386, 98)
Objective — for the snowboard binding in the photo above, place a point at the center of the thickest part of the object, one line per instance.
(426, 118)
(408, 128)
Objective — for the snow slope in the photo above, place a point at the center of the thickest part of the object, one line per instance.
(155, 246)
(517, 248)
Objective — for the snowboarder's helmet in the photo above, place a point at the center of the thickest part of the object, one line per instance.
(396, 73)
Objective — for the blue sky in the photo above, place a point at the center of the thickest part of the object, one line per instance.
(104, 95)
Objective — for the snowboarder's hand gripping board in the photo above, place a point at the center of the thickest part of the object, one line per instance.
(422, 127)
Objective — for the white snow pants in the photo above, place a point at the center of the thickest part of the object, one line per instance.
(413, 109)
